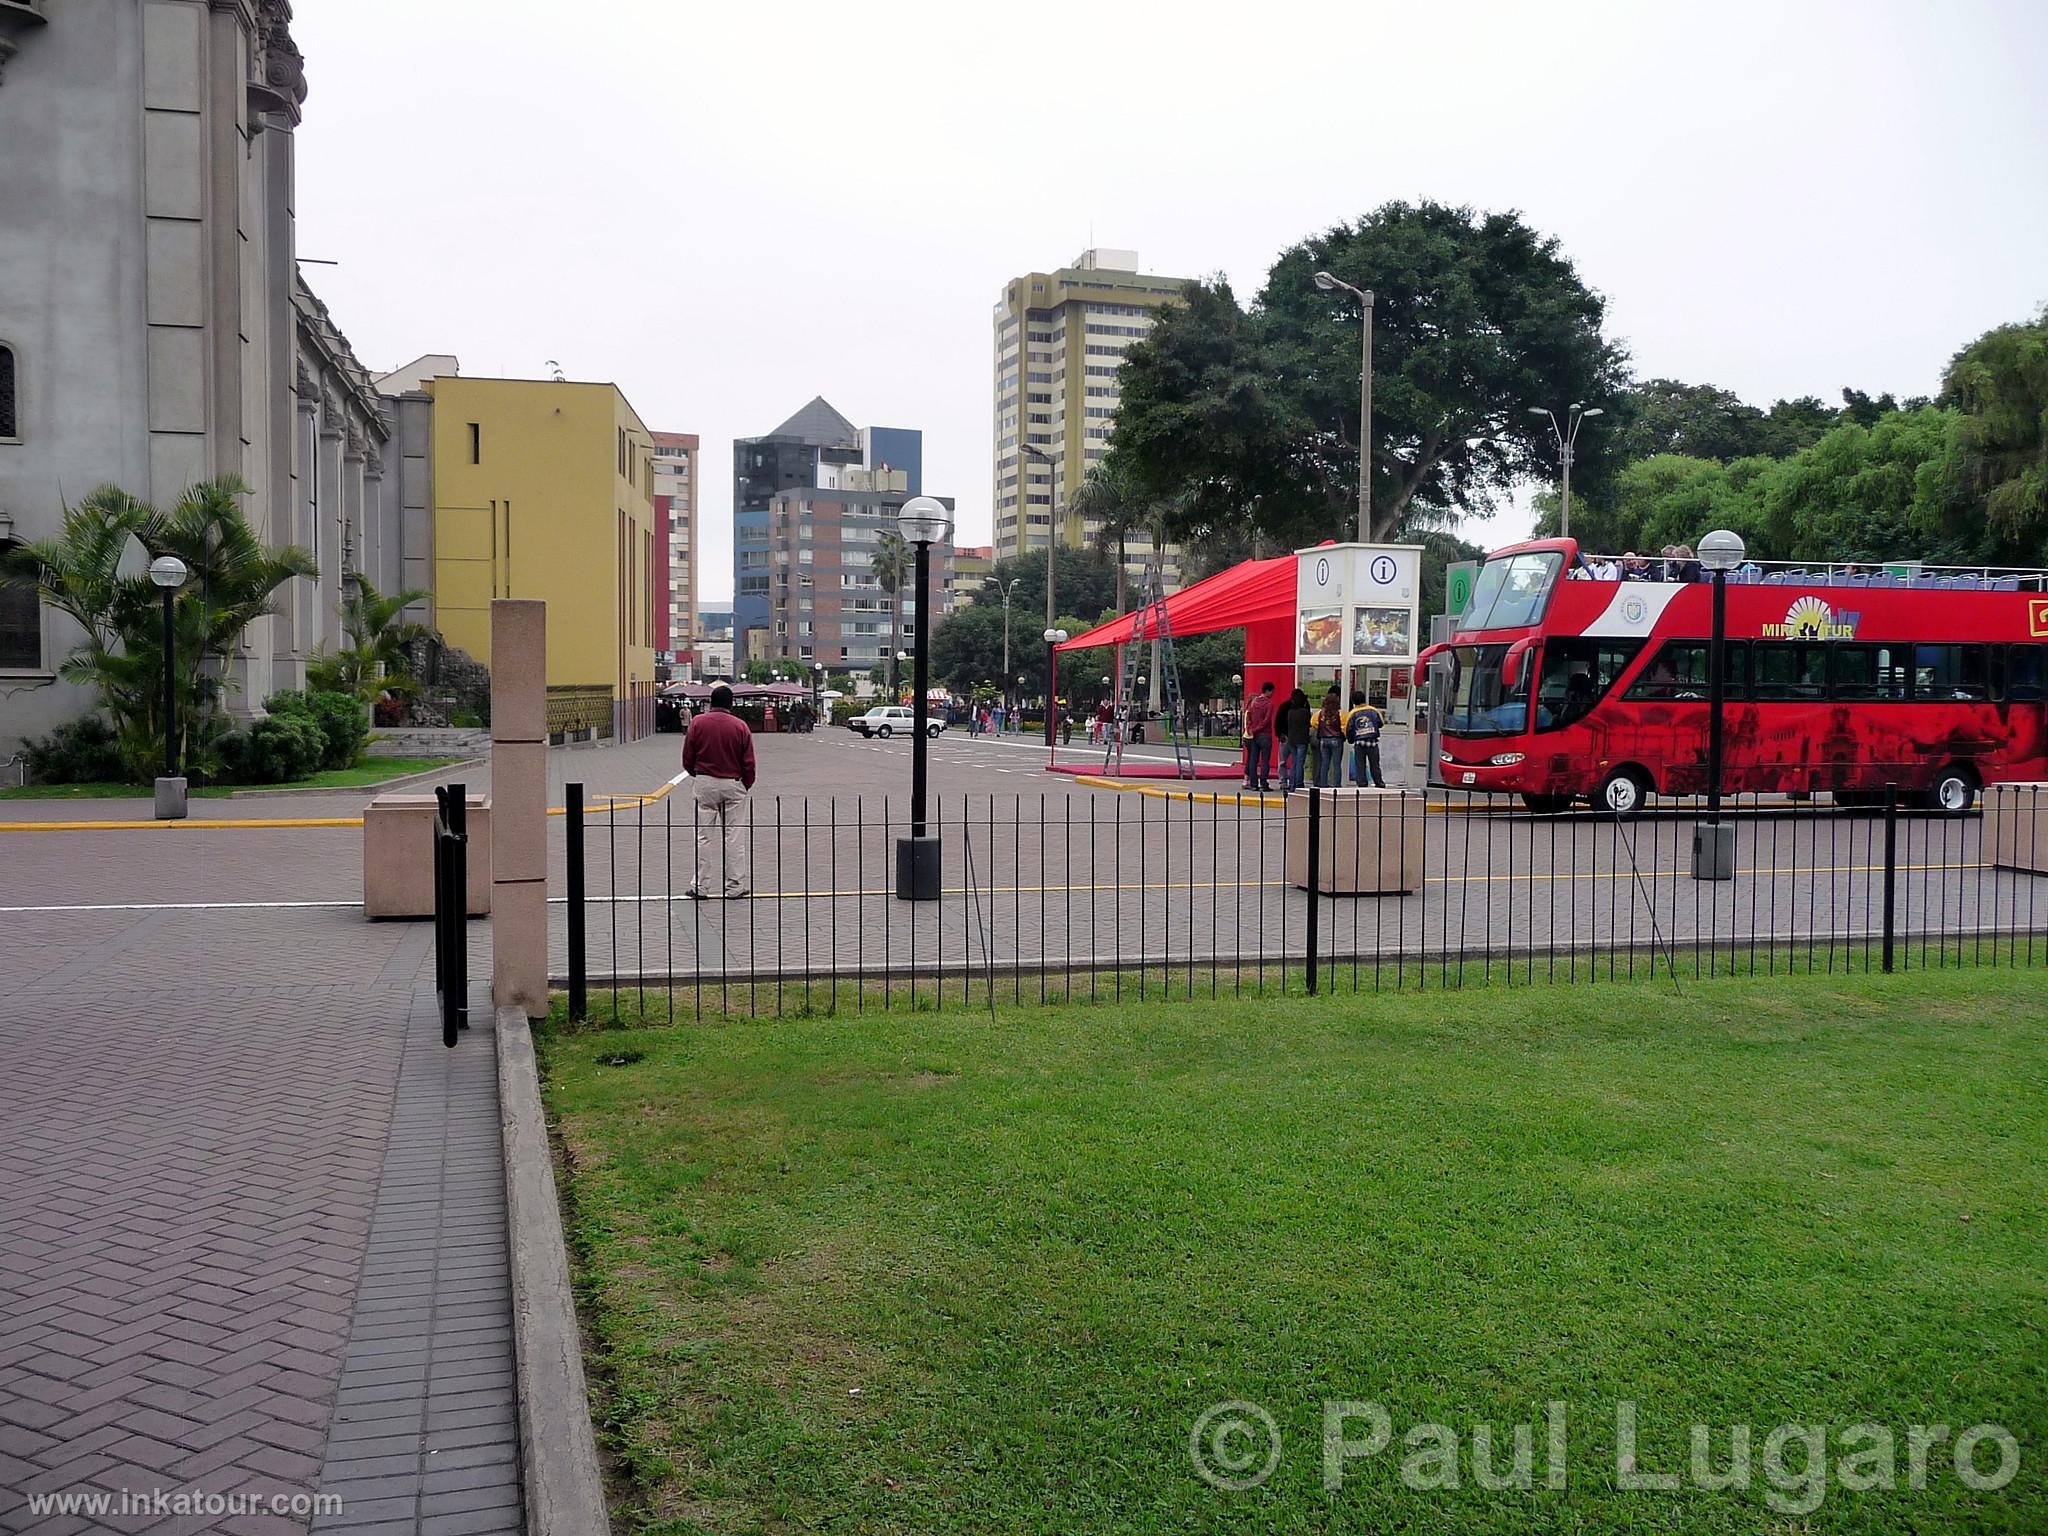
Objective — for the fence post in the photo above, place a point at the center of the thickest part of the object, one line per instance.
(579, 977)
(1315, 877)
(1891, 866)
(451, 908)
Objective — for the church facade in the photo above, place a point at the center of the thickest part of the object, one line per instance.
(155, 330)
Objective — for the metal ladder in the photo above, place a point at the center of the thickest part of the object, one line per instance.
(1161, 625)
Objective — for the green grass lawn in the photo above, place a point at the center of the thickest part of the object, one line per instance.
(918, 1273)
(371, 770)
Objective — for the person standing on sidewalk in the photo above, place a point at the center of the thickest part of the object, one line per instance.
(718, 754)
(1296, 724)
(1362, 728)
(1329, 730)
(1258, 740)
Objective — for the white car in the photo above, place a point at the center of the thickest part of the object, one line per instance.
(888, 719)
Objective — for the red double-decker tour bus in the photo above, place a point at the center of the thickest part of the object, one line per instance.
(1558, 685)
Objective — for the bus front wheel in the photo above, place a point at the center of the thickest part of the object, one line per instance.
(1621, 793)
(1954, 791)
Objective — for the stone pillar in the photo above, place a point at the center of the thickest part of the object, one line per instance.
(370, 559)
(519, 804)
(328, 520)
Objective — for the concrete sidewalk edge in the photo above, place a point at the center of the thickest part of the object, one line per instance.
(563, 1482)
(378, 788)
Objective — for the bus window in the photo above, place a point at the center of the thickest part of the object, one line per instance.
(1511, 593)
(1680, 671)
(1479, 706)
(2024, 672)
(1790, 670)
(1577, 672)
(1951, 672)
(1867, 672)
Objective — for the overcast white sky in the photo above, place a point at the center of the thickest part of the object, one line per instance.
(728, 209)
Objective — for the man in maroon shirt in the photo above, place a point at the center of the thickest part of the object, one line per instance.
(718, 753)
(1258, 740)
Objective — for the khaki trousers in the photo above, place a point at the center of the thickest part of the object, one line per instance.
(721, 809)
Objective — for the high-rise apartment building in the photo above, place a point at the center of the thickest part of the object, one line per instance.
(827, 603)
(675, 510)
(805, 452)
(1060, 338)
(973, 564)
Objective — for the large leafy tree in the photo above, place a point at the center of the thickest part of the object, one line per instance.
(967, 645)
(1999, 383)
(1248, 420)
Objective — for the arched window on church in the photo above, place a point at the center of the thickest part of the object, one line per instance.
(10, 395)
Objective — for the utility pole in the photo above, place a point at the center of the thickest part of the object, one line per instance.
(1331, 284)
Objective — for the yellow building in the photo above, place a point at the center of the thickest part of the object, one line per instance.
(545, 488)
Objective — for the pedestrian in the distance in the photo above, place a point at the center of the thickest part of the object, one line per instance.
(718, 754)
(1296, 721)
(1258, 740)
(1362, 728)
(1329, 741)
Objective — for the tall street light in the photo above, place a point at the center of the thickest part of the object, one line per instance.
(168, 572)
(1567, 437)
(1331, 284)
(922, 522)
(1053, 640)
(1713, 846)
(1052, 539)
(1006, 588)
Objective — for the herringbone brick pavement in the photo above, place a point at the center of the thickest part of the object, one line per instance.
(199, 1107)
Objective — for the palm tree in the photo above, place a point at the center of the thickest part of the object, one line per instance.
(233, 581)
(886, 565)
(377, 658)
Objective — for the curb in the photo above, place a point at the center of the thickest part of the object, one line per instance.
(559, 1471)
(377, 788)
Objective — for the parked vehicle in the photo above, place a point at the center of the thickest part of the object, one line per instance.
(890, 719)
(1838, 681)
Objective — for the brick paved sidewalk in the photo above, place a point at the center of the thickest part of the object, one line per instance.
(249, 1206)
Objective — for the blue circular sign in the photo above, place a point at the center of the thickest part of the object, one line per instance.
(1383, 570)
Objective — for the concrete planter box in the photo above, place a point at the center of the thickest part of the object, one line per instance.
(398, 856)
(2016, 826)
(1371, 841)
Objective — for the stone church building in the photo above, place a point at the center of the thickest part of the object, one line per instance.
(155, 329)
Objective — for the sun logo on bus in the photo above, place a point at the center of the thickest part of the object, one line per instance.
(1811, 619)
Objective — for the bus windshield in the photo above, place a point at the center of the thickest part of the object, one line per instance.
(1511, 592)
(1479, 705)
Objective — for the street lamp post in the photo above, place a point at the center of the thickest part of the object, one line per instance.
(1567, 437)
(1053, 639)
(1052, 540)
(1713, 846)
(923, 522)
(168, 572)
(1007, 588)
(1331, 284)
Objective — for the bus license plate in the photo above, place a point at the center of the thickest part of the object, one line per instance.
(1470, 778)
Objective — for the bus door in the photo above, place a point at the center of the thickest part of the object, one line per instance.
(1578, 672)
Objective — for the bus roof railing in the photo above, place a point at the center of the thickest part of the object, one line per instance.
(1922, 575)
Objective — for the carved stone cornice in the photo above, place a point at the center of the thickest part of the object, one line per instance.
(306, 387)
(373, 463)
(17, 19)
(332, 419)
(279, 85)
(358, 445)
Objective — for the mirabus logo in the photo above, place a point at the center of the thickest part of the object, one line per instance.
(1811, 619)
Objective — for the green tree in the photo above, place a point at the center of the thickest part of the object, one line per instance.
(886, 565)
(1999, 385)
(233, 581)
(1248, 421)
(376, 655)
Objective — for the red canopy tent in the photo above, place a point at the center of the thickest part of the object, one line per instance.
(1257, 597)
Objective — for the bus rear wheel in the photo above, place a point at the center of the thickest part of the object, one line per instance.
(1621, 793)
(1547, 805)
(1954, 791)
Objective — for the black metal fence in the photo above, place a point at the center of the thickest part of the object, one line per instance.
(1075, 895)
(451, 908)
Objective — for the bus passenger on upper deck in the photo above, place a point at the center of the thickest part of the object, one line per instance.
(1598, 568)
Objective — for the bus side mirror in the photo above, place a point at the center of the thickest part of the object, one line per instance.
(1511, 666)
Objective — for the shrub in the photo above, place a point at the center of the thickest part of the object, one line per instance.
(82, 751)
(289, 745)
(344, 729)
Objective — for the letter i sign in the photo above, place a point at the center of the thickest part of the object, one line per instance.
(2037, 616)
